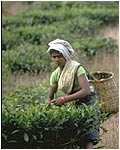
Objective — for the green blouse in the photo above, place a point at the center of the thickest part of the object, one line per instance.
(56, 74)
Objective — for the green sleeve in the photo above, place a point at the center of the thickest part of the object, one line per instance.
(80, 71)
(54, 77)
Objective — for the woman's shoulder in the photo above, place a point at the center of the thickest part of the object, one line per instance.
(80, 70)
(56, 72)
(54, 77)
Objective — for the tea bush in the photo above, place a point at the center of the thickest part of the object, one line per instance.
(31, 26)
(93, 45)
(37, 35)
(67, 10)
(27, 58)
(32, 94)
(26, 122)
(50, 5)
(25, 35)
(33, 58)
(36, 126)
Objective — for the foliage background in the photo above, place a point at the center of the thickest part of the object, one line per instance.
(25, 36)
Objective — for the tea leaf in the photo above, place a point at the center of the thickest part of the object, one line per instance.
(4, 136)
(15, 131)
(26, 137)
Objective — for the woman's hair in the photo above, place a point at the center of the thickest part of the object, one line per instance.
(53, 50)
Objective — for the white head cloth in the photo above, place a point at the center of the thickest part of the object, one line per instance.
(63, 47)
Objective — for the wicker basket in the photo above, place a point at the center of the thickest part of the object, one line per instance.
(107, 90)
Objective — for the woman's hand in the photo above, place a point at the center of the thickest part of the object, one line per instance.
(58, 101)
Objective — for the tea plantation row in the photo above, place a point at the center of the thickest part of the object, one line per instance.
(25, 36)
(42, 26)
(28, 123)
(107, 12)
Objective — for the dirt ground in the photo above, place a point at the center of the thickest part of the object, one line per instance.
(110, 139)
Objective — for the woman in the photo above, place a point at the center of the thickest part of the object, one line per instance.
(70, 77)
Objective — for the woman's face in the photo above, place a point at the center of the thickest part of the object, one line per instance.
(58, 58)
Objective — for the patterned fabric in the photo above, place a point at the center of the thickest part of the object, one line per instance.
(67, 76)
(54, 78)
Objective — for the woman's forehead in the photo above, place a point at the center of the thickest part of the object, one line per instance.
(55, 52)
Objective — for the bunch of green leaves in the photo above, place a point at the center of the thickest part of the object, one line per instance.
(37, 126)
(27, 58)
(92, 45)
(25, 36)
(28, 95)
(38, 26)
(33, 58)
(52, 5)
(35, 35)
(67, 10)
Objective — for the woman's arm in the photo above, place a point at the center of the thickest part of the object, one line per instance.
(83, 92)
(84, 89)
(51, 93)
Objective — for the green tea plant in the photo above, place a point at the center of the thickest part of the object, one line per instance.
(93, 45)
(27, 58)
(35, 35)
(37, 126)
(33, 58)
(37, 26)
(32, 94)
(25, 36)
(67, 10)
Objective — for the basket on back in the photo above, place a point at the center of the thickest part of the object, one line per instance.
(107, 90)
